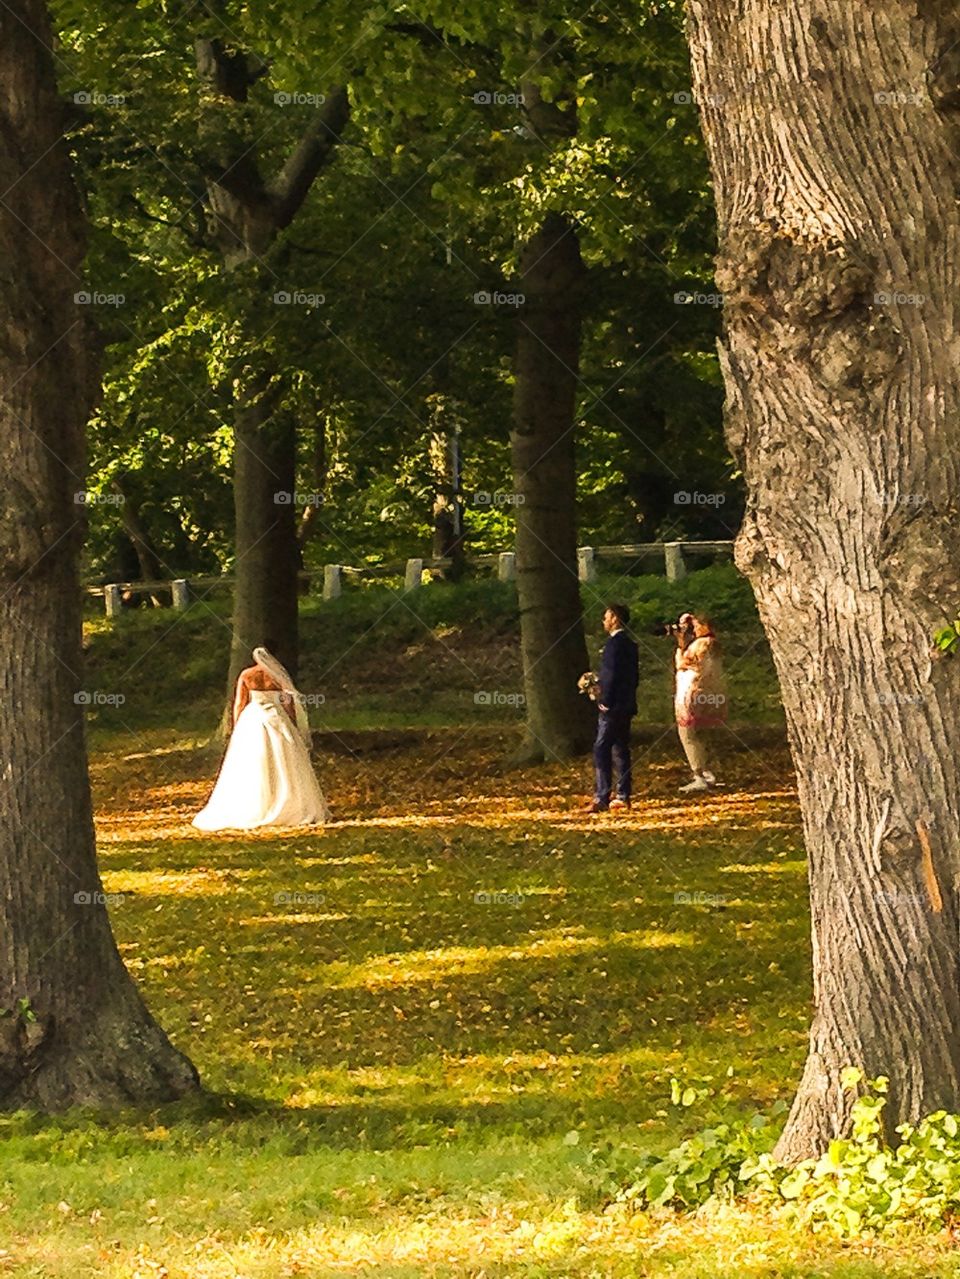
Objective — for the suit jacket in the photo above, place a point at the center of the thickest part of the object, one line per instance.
(619, 675)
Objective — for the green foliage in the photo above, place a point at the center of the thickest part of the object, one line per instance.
(440, 644)
(23, 1011)
(423, 206)
(947, 640)
(861, 1185)
(705, 1166)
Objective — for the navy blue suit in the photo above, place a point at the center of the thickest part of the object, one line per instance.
(618, 678)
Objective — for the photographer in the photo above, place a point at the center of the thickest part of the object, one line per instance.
(701, 700)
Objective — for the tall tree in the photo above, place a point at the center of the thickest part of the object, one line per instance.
(833, 141)
(73, 1028)
(550, 192)
(558, 721)
(246, 214)
(547, 367)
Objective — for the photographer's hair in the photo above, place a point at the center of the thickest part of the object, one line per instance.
(621, 612)
(706, 620)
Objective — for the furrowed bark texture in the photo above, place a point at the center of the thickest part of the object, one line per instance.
(552, 274)
(73, 1029)
(559, 721)
(832, 133)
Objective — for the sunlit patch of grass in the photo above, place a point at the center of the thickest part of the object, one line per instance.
(412, 1231)
(427, 1027)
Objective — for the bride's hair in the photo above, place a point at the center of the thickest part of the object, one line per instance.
(277, 671)
(264, 658)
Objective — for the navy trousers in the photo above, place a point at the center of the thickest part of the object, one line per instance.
(612, 748)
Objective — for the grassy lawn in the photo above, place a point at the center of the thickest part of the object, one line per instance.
(436, 1034)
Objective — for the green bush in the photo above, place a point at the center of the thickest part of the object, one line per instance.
(861, 1185)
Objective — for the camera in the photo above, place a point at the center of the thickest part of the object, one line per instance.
(682, 632)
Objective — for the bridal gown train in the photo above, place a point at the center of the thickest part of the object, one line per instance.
(266, 778)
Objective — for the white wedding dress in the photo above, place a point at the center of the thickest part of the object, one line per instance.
(266, 778)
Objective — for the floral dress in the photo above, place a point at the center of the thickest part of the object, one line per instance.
(701, 693)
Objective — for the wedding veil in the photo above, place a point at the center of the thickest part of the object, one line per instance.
(263, 657)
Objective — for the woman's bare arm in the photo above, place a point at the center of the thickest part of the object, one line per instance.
(242, 695)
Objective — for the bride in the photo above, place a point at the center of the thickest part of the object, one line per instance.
(266, 778)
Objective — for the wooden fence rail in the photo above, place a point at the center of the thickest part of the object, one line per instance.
(332, 575)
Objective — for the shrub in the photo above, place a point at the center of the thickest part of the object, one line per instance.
(861, 1185)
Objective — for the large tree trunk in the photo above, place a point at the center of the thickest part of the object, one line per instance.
(833, 141)
(73, 1029)
(559, 720)
(246, 213)
(267, 552)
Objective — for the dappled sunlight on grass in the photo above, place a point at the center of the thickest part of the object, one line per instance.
(202, 881)
(493, 1236)
(414, 967)
(431, 1021)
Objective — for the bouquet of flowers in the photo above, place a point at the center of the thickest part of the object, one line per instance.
(589, 685)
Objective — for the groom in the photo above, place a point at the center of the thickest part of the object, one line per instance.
(617, 702)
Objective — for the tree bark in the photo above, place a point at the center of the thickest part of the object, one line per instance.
(265, 605)
(318, 470)
(832, 132)
(444, 452)
(151, 569)
(73, 1029)
(559, 721)
(246, 214)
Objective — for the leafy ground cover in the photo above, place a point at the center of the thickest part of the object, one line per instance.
(437, 1035)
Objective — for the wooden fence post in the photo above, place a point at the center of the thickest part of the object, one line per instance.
(586, 564)
(507, 566)
(414, 575)
(111, 600)
(331, 581)
(673, 561)
(181, 594)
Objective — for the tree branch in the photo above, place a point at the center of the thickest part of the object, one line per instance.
(191, 234)
(290, 188)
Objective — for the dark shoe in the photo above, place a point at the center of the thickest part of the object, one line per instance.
(621, 805)
(594, 806)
